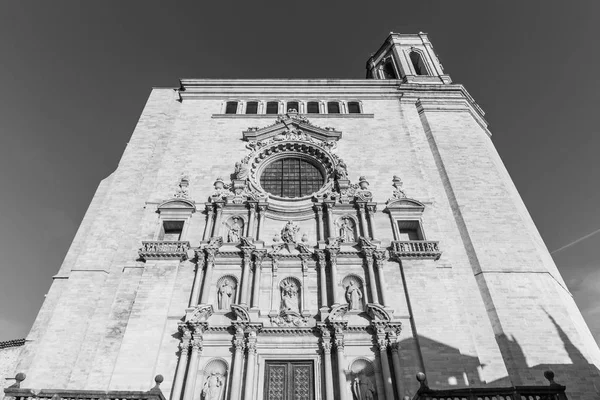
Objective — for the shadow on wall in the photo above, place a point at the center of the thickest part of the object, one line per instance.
(447, 368)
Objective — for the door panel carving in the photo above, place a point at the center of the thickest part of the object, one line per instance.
(289, 380)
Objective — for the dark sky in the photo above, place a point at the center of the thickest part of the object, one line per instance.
(74, 77)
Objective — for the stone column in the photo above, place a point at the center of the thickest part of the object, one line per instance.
(379, 256)
(184, 348)
(245, 275)
(258, 258)
(262, 210)
(372, 283)
(219, 212)
(250, 231)
(330, 229)
(385, 364)
(333, 252)
(210, 264)
(371, 208)
(190, 383)
(320, 222)
(238, 359)
(304, 292)
(322, 278)
(209, 222)
(250, 366)
(197, 278)
(326, 345)
(274, 286)
(341, 361)
(363, 220)
(395, 347)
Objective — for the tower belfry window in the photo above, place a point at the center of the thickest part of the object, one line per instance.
(272, 107)
(389, 72)
(171, 231)
(418, 64)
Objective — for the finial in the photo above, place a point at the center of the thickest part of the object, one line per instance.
(549, 375)
(422, 380)
(20, 377)
(363, 183)
(219, 183)
(158, 379)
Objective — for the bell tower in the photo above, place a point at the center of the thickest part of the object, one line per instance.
(409, 57)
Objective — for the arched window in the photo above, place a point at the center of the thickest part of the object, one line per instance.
(291, 177)
(252, 107)
(353, 107)
(418, 64)
(333, 107)
(231, 107)
(272, 107)
(313, 107)
(389, 72)
(292, 105)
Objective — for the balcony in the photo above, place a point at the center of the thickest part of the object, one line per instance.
(554, 391)
(426, 249)
(17, 393)
(157, 250)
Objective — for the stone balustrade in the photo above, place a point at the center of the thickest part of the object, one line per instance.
(416, 249)
(554, 391)
(163, 249)
(16, 392)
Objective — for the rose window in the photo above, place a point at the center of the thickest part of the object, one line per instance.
(291, 177)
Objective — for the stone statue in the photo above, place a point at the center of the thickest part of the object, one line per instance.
(362, 389)
(213, 387)
(241, 170)
(346, 231)
(289, 232)
(354, 296)
(235, 232)
(341, 171)
(289, 297)
(225, 293)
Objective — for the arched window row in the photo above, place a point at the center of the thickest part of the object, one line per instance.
(302, 107)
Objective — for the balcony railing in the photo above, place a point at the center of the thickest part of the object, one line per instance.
(552, 392)
(17, 393)
(416, 249)
(163, 249)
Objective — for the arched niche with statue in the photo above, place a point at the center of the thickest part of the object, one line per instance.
(354, 292)
(227, 288)
(362, 380)
(215, 380)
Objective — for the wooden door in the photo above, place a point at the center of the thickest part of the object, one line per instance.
(289, 380)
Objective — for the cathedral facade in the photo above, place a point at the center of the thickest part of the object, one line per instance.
(310, 239)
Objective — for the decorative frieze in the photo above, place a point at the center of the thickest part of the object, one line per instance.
(426, 249)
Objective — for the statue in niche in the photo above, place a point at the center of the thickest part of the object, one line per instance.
(289, 296)
(354, 296)
(225, 293)
(213, 387)
(346, 231)
(362, 389)
(241, 170)
(235, 232)
(289, 232)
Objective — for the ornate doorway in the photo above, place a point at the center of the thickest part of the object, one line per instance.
(289, 380)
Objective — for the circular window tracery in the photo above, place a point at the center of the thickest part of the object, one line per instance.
(291, 177)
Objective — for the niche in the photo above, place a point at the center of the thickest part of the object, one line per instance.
(362, 380)
(354, 292)
(226, 292)
(215, 381)
(346, 227)
(235, 229)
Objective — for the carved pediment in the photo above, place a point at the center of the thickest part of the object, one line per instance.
(378, 313)
(292, 124)
(241, 314)
(179, 204)
(406, 204)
